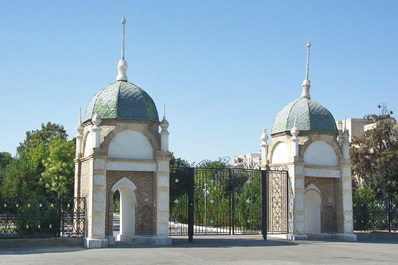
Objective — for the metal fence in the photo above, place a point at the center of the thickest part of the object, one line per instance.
(375, 214)
(42, 217)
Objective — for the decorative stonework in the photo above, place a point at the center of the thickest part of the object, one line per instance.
(123, 183)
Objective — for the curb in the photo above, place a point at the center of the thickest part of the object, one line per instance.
(40, 242)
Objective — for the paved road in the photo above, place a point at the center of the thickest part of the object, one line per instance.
(214, 250)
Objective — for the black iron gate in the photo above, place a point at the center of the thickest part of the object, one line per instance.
(228, 201)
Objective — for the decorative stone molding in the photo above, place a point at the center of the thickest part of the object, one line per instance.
(141, 128)
(123, 183)
(312, 187)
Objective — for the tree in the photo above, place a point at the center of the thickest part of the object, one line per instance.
(58, 175)
(374, 155)
(5, 160)
(42, 136)
(23, 176)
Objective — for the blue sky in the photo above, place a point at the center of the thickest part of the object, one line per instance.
(223, 68)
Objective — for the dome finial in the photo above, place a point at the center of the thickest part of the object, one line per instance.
(123, 26)
(122, 65)
(307, 84)
(307, 72)
(164, 124)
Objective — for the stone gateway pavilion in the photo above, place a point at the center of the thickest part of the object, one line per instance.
(119, 148)
(122, 146)
(306, 142)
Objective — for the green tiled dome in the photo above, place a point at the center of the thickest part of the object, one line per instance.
(122, 99)
(309, 116)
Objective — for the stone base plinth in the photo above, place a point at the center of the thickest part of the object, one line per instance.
(340, 236)
(95, 242)
(124, 238)
(296, 237)
(111, 240)
(151, 240)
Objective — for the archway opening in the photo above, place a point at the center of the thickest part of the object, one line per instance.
(312, 212)
(116, 213)
(125, 190)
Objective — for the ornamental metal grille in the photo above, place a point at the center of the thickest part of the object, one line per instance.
(42, 217)
(278, 197)
(375, 214)
(228, 201)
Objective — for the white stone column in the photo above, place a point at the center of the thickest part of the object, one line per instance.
(346, 145)
(78, 155)
(96, 204)
(346, 184)
(164, 135)
(162, 199)
(264, 148)
(96, 131)
(295, 141)
(298, 213)
(79, 137)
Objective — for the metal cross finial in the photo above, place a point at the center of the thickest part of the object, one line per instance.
(123, 25)
(308, 61)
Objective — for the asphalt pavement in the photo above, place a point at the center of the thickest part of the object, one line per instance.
(214, 250)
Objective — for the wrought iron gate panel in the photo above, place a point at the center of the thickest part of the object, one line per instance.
(247, 201)
(227, 201)
(278, 198)
(212, 201)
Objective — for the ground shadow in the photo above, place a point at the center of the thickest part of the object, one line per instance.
(217, 242)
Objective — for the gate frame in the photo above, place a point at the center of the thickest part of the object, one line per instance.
(265, 174)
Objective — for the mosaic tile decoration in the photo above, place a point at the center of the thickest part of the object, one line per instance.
(122, 99)
(309, 116)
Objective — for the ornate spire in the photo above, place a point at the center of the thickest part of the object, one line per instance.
(307, 72)
(123, 28)
(307, 84)
(164, 134)
(122, 65)
(164, 124)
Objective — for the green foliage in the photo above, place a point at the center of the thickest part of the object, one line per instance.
(5, 160)
(18, 179)
(374, 156)
(58, 174)
(39, 154)
(178, 177)
(116, 201)
(42, 136)
(178, 162)
(363, 193)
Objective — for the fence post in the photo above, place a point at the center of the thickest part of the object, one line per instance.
(389, 206)
(232, 196)
(60, 219)
(264, 203)
(191, 183)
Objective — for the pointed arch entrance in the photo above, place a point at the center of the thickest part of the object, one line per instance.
(127, 190)
(312, 210)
